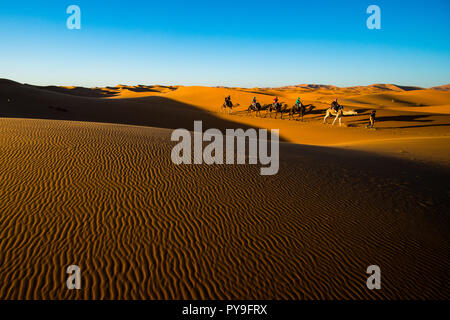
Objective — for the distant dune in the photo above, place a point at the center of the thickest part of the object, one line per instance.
(86, 178)
(443, 88)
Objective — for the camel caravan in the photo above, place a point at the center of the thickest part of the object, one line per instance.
(296, 112)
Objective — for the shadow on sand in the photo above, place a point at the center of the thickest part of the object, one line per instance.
(23, 101)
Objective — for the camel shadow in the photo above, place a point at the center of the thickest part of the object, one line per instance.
(399, 118)
(420, 126)
(417, 121)
(405, 118)
(362, 111)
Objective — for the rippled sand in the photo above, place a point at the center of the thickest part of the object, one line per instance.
(108, 198)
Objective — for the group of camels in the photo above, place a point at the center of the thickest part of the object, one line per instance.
(297, 109)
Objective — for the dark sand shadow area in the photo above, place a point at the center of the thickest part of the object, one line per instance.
(155, 111)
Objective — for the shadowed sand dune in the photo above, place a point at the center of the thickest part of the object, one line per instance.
(157, 111)
(108, 198)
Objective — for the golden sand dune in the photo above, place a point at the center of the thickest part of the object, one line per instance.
(433, 149)
(122, 91)
(108, 198)
(445, 87)
(419, 100)
(25, 101)
(402, 112)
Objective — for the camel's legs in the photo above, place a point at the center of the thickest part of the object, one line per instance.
(340, 120)
(326, 117)
(337, 116)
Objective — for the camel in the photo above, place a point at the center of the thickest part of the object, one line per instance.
(256, 108)
(338, 114)
(278, 108)
(226, 106)
(300, 109)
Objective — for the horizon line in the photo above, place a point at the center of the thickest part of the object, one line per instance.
(231, 87)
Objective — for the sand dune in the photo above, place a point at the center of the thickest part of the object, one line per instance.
(108, 198)
(402, 112)
(406, 100)
(86, 178)
(445, 87)
(426, 149)
(157, 111)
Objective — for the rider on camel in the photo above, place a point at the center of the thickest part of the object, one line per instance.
(228, 101)
(275, 101)
(336, 106)
(254, 102)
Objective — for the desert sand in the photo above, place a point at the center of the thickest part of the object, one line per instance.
(86, 178)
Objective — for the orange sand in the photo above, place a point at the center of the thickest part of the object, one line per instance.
(102, 192)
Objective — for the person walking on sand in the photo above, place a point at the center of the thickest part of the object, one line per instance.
(372, 119)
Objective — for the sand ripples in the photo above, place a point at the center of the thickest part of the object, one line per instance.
(107, 198)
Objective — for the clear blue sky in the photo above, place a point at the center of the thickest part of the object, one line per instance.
(233, 43)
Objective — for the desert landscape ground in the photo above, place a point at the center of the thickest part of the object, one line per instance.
(86, 178)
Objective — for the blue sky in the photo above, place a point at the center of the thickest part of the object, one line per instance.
(232, 43)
